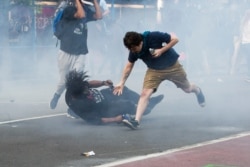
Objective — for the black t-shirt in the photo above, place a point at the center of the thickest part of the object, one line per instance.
(102, 104)
(155, 40)
(91, 108)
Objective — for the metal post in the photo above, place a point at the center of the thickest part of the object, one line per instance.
(112, 10)
(4, 55)
(34, 35)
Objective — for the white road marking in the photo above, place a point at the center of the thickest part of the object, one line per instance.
(31, 118)
(120, 162)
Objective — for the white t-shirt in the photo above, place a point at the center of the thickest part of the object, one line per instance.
(246, 33)
(103, 5)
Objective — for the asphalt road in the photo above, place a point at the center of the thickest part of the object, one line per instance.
(33, 135)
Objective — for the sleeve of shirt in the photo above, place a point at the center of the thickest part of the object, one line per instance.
(89, 11)
(132, 57)
(163, 36)
(159, 37)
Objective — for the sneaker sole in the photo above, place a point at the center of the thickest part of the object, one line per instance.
(128, 124)
(202, 104)
(51, 107)
(68, 115)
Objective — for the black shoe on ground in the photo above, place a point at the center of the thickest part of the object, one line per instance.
(127, 117)
(72, 114)
(54, 101)
(132, 124)
(201, 99)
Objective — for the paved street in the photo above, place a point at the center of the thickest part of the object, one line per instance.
(34, 135)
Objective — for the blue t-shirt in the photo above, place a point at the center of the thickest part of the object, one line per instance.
(75, 31)
(155, 40)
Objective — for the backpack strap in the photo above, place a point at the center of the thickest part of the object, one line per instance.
(145, 35)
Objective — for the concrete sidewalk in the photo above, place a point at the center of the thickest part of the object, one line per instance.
(233, 151)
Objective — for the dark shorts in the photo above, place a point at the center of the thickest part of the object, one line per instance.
(175, 74)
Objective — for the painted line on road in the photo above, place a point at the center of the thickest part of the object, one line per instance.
(31, 118)
(138, 158)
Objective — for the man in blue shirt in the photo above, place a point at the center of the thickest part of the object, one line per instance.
(155, 49)
(98, 106)
(73, 40)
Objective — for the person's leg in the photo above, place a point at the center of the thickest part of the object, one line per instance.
(143, 103)
(140, 110)
(118, 110)
(153, 101)
(119, 107)
(179, 77)
(63, 66)
(234, 57)
(246, 53)
(78, 63)
(150, 84)
(116, 119)
(133, 96)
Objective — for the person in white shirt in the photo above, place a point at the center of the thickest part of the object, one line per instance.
(242, 45)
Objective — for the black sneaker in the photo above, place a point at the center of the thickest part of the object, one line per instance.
(201, 99)
(72, 114)
(127, 117)
(132, 124)
(54, 101)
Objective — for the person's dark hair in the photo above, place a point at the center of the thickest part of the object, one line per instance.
(76, 83)
(132, 39)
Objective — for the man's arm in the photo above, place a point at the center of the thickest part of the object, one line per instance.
(98, 12)
(126, 72)
(97, 83)
(174, 40)
(105, 8)
(80, 13)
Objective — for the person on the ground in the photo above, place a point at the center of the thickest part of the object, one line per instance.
(156, 50)
(101, 106)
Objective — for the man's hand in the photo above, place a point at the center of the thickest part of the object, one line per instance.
(157, 53)
(118, 89)
(108, 83)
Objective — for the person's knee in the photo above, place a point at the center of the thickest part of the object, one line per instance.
(188, 89)
(146, 94)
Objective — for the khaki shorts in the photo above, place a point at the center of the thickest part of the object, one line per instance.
(175, 73)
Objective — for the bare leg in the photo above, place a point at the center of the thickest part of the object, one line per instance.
(235, 55)
(143, 102)
(192, 89)
(195, 89)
